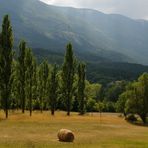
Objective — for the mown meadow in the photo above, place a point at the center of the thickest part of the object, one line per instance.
(91, 131)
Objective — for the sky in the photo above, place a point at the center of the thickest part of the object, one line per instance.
(136, 9)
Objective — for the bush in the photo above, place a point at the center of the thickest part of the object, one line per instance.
(131, 118)
(109, 107)
(90, 106)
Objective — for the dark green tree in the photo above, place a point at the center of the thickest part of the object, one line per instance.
(53, 89)
(43, 73)
(6, 57)
(15, 101)
(34, 81)
(21, 74)
(120, 104)
(137, 101)
(29, 77)
(68, 77)
(114, 90)
(81, 88)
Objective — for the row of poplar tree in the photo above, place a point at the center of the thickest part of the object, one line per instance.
(24, 83)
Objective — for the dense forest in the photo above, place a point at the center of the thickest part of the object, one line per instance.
(98, 70)
(30, 83)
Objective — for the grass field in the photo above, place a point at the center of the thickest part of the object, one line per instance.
(91, 131)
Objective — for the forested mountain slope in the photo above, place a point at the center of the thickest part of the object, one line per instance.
(106, 37)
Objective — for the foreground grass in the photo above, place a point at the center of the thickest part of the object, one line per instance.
(91, 131)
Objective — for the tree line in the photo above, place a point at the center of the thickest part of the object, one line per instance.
(134, 100)
(28, 85)
(25, 84)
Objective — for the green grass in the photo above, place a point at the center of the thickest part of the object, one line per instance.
(40, 131)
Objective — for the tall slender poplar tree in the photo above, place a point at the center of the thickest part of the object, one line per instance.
(6, 44)
(29, 77)
(68, 77)
(21, 74)
(53, 84)
(81, 88)
(42, 82)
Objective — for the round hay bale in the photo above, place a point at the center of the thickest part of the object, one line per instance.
(65, 135)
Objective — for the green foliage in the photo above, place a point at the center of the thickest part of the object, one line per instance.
(97, 72)
(109, 106)
(21, 71)
(43, 74)
(135, 99)
(93, 90)
(114, 90)
(15, 90)
(24, 84)
(30, 77)
(53, 89)
(6, 56)
(138, 100)
(68, 77)
(90, 106)
(99, 106)
(120, 104)
(81, 88)
(107, 72)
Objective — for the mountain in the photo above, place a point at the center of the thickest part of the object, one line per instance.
(94, 35)
(102, 72)
(107, 43)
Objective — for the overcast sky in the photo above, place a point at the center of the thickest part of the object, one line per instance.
(137, 9)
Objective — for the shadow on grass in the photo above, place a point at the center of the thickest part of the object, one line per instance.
(2, 119)
(138, 123)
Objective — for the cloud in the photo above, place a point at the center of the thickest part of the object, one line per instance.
(137, 9)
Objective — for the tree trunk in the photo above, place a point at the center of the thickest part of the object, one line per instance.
(24, 103)
(23, 111)
(30, 112)
(41, 110)
(6, 102)
(52, 112)
(124, 114)
(23, 99)
(30, 106)
(68, 103)
(41, 105)
(6, 113)
(68, 107)
(68, 113)
(23, 106)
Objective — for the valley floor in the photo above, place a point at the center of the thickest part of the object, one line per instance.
(91, 131)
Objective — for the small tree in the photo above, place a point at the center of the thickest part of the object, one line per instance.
(99, 106)
(6, 44)
(81, 88)
(68, 77)
(53, 85)
(120, 104)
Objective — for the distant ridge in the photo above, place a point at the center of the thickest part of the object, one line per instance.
(110, 37)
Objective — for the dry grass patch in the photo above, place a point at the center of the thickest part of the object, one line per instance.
(40, 131)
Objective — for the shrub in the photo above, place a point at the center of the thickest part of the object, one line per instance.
(131, 118)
